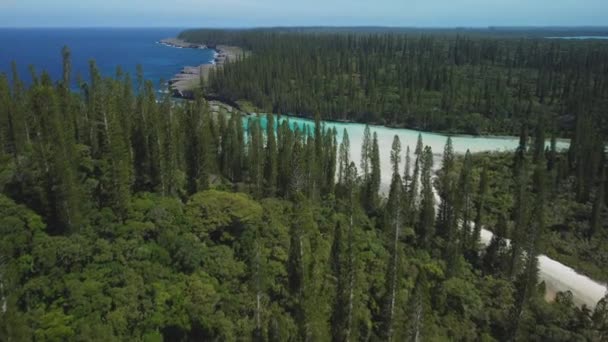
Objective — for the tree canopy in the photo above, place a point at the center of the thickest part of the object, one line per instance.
(128, 217)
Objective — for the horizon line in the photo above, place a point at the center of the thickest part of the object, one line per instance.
(455, 27)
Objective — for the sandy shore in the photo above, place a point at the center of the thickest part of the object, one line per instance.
(183, 84)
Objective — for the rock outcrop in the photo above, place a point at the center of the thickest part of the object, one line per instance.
(183, 84)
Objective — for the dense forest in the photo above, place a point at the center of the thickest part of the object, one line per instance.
(442, 81)
(125, 217)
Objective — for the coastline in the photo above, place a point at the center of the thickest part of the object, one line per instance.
(180, 44)
(183, 84)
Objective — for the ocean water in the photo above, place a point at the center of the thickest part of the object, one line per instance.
(581, 37)
(109, 47)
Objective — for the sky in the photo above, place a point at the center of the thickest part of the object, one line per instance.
(248, 13)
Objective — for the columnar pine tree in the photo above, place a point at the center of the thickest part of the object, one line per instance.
(116, 186)
(169, 160)
(270, 165)
(54, 149)
(393, 221)
(286, 145)
(66, 103)
(329, 164)
(297, 178)
(192, 124)
(539, 139)
(319, 155)
(344, 155)
(425, 228)
(596, 223)
(449, 206)
(445, 218)
(7, 142)
(19, 118)
(296, 276)
(374, 181)
(237, 146)
(480, 204)
(465, 200)
(495, 256)
(310, 167)
(352, 186)
(141, 134)
(154, 133)
(224, 145)
(528, 279)
(417, 309)
(415, 183)
(407, 183)
(366, 149)
(520, 209)
(553, 166)
(256, 157)
(341, 267)
(209, 150)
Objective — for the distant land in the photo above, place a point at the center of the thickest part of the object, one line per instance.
(520, 31)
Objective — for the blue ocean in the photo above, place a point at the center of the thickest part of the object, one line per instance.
(109, 47)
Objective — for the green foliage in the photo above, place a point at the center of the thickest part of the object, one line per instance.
(127, 218)
(452, 82)
(222, 216)
(568, 222)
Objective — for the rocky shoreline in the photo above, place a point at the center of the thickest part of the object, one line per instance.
(180, 44)
(183, 84)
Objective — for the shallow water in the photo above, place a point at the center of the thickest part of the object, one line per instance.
(559, 277)
(408, 138)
